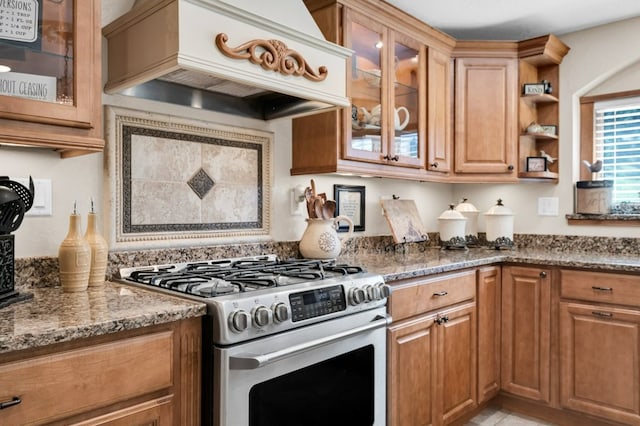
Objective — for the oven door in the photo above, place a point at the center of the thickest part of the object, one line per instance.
(330, 373)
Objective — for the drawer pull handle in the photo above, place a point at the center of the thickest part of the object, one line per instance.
(602, 314)
(440, 293)
(598, 288)
(6, 404)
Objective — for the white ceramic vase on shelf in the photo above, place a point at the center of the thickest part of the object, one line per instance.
(320, 239)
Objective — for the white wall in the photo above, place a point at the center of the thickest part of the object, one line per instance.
(596, 55)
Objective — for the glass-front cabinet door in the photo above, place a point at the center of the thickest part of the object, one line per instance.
(50, 69)
(404, 111)
(368, 118)
(385, 92)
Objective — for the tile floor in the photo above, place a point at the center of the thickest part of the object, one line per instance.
(492, 416)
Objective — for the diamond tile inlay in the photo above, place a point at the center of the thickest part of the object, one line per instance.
(201, 183)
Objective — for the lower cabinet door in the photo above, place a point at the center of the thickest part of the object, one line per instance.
(526, 332)
(600, 361)
(411, 372)
(457, 382)
(432, 368)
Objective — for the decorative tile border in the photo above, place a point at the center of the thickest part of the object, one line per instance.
(179, 182)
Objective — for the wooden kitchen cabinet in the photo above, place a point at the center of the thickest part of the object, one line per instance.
(60, 63)
(600, 345)
(526, 332)
(540, 60)
(144, 376)
(399, 86)
(432, 349)
(486, 110)
(489, 307)
(439, 127)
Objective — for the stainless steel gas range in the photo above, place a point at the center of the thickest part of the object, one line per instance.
(287, 342)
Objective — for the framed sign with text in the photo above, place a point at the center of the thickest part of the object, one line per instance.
(350, 202)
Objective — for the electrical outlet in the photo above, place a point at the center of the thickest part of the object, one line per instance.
(42, 201)
(548, 206)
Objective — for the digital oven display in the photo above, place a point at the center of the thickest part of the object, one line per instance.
(314, 303)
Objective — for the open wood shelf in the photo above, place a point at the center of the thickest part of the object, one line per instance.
(538, 175)
(539, 99)
(540, 136)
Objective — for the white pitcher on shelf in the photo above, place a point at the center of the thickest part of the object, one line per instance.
(375, 116)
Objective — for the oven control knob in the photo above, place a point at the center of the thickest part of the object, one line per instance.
(384, 290)
(373, 292)
(261, 316)
(356, 296)
(280, 312)
(239, 321)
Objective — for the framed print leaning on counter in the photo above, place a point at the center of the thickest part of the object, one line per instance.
(350, 202)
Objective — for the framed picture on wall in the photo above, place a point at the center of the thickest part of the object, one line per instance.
(350, 202)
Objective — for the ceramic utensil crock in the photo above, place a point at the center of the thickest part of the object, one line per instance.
(321, 241)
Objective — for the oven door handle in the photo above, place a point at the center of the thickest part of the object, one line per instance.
(251, 362)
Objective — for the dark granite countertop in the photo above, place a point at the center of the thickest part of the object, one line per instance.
(53, 316)
(396, 265)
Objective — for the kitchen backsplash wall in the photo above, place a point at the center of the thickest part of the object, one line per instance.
(43, 271)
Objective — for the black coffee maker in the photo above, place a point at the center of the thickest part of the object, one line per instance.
(15, 201)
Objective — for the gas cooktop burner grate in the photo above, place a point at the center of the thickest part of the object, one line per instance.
(220, 277)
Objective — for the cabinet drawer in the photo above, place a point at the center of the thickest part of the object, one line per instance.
(600, 287)
(71, 382)
(416, 297)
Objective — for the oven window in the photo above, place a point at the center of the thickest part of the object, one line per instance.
(338, 391)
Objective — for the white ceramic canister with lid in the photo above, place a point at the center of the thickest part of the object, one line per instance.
(499, 222)
(451, 226)
(470, 212)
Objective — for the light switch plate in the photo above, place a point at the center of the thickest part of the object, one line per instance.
(42, 199)
(548, 206)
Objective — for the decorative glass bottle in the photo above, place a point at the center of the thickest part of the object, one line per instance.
(99, 251)
(74, 257)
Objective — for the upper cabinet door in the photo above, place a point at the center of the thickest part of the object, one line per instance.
(387, 91)
(439, 111)
(486, 111)
(53, 51)
(368, 86)
(405, 113)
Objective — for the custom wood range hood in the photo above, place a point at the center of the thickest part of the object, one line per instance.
(244, 57)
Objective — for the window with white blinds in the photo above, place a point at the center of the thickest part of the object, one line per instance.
(617, 144)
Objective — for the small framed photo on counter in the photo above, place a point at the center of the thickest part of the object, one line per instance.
(350, 202)
(536, 164)
(533, 89)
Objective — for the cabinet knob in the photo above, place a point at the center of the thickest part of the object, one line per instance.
(510, 167)
(434, 165)
(543, 274)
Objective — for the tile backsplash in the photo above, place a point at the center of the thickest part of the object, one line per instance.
(43, 271)
(172, 179)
